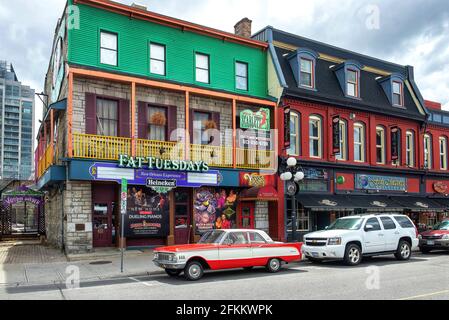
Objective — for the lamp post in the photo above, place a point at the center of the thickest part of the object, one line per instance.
(291, 174)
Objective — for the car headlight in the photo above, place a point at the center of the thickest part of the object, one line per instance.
(445, 237)
(334, 241)
(156, 256)
(173, 258)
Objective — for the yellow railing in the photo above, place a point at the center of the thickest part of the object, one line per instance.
(110, 148)
(100, 147)
(45, 161)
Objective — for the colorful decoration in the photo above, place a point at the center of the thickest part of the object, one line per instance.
(259, 120)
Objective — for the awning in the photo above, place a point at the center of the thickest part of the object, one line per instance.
(443, 201)
(419, 203)
(326, 203)
(267, 193)
(375, 203)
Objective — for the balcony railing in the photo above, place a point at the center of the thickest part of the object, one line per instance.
(45, 161)
(110, 148)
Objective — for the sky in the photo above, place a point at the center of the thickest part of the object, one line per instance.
(407, 32)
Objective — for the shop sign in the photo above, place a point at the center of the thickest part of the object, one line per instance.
(383, 183)
(8, 201)
(287, 129)
(252, 139)
(252, 180)
(110, 172)
(259, 120)
(336, 135)
(152, 163)
(440, 187)
(161, 186)
(147, 214)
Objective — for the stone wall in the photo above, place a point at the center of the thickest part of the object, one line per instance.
(53, 218)
(261, 216)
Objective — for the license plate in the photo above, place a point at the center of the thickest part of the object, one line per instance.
(315, 254)
(430, 243)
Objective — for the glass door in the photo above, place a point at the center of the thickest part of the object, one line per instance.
(182, 216)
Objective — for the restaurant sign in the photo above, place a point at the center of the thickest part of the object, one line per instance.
(381, 183)
(259, 120)
(151, 163)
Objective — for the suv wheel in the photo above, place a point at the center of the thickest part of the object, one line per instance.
(404, 251)
(274, 265)
(353, 255)
(194, 271)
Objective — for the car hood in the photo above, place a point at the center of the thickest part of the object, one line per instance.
(187, 247)
(434, 233)
(329, 233)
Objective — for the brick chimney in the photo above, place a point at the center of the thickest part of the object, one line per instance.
(243, 28)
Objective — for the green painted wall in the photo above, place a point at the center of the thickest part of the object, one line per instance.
(134, 37)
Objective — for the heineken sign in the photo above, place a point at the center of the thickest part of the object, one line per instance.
(259, 120)
(152, 163)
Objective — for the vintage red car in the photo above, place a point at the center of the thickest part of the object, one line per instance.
(435, 239)
(226, 249)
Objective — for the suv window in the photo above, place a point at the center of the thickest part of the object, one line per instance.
(375, 223)
(404, 222)
(254, 237)
(388, 223)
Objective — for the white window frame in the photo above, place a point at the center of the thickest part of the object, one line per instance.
(381, 146)
(443, 153)
(152, 45)
(197, 55)
(410, 149)
(400, 94)
(343, 155)
(103, 32)
(246, 77)
(355, 84)
(360, 126)
(303, 71)
(296, 135)
(318, 138)
(427, 151)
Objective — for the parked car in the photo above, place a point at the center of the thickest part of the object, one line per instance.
(226, 249)
(435, 239)
(355, 237)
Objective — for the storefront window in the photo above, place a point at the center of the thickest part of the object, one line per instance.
(302, 218)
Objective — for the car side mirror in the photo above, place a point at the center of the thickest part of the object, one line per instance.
(369, 228)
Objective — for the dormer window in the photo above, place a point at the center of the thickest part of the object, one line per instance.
(352, 83)
(303, 63)
(397, 93)
(306, 73)
(393, 87)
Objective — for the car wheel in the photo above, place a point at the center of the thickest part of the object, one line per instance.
(314, 260)
(274, 265)
(173, 273)
(194, 271)
(424, 251)
(353, 255)
(404, 251)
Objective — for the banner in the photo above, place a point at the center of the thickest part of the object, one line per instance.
(287, 129)
(336, 135)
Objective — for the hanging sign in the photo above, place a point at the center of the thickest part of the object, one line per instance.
(336, 135)
(394, 143)
(259, 120)
(287, 129)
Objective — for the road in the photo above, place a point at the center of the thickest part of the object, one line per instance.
(424, 277)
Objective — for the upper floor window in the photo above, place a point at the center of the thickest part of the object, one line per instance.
(107, 117)
(241, 76)
(352, 83)
(359, 142)
(410, 149)
(343, 141)
(398, 99)
(295, 129)
(108, 48)
(306, 73)
(202, 68)
(157, 59)
(315, 137)
(380, 145)
(157, 119)
(427, 151)
(396, 146)
(443, 153)
(200, 120)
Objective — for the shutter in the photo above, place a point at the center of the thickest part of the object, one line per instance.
(91, 113)
(172, 123)
(216, 119)
(142, 121)
(124, 122)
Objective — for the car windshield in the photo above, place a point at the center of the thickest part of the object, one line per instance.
(212, 237)
(346, 224)
(442, 226)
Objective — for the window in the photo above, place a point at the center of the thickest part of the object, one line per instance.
(306, 73)
(294, 134)
(107, 117)
(157, 119)
(398, 134)
(380, 145)
(254, 237)
(108, 48)
(443, 153)
(343, 141)
(237, 238)
(202, 68)
(315, 137)
(359, 142)
(410, 149)
(427, 151)
(404, 222)
(241, 76)
(302, 218)
(397, 93)
(375, 223)
(157, 59)
(199, 127)
(388, 223)
(352, 83)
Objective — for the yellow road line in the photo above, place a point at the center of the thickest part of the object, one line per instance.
(425, 295)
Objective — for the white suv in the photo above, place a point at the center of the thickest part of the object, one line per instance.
(354, 237)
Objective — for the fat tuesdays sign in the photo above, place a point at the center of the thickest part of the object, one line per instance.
(159, 164)
(259, 120)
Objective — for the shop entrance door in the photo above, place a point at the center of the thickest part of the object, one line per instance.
(247, 215)
(103, 208)
(183, 214)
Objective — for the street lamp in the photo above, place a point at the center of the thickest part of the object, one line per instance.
(291, 173)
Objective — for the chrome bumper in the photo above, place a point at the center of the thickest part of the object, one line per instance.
(169, 265)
